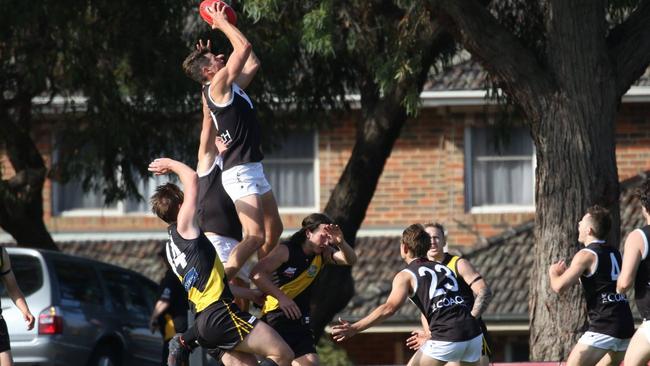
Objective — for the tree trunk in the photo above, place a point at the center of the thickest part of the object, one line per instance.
(21, 196)
(576, 166)
(377, 131)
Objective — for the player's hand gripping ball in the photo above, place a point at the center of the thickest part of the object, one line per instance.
(230, 13)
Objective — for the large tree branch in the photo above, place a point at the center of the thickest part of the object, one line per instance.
(629, 47)
(499, 51)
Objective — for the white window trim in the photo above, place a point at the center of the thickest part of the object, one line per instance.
(119, 211)
(469, 168)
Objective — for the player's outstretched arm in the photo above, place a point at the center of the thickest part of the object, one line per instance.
(13, 290)
(207, 148)
(248, 72)
(261, 276)
(562, 277)
(241, 51)
(345, 254)
(634, 247)
(482, 292)
(402, 287)
(253, 295)
(186, 221)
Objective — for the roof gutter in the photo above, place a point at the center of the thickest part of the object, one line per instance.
(449, 98)
(430, 99)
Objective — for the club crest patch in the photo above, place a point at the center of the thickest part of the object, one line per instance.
(312, 271)
(189, 278)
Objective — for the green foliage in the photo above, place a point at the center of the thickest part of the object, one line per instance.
(330, 49)
(316, 28)
(124, 57)
(331, 354)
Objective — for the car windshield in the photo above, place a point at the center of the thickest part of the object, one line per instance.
(28, 272)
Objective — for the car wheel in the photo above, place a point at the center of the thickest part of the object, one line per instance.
(105, 356)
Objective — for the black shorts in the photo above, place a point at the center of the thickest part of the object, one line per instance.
(222, 325)
(487, 340)
(297, 333)
(4, 336)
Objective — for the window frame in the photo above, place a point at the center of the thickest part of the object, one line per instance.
(316, 166)
(469, 177)
(120, 209)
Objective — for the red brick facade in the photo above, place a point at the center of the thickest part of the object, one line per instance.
(423, 179)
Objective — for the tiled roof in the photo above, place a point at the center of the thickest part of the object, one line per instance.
(505, 262)
(466, 75)
(469, 75)
(379, 261)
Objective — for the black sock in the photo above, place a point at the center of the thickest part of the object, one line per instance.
(268, 362)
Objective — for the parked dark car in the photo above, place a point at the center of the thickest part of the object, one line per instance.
(88, 313)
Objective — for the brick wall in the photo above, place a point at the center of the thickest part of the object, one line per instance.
(378, 349)
(423, 179)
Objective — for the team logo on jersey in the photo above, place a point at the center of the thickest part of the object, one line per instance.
(190, 278)
(289, 272)
(611, 298)
(447, 301)
(226, 138)
(312, 271)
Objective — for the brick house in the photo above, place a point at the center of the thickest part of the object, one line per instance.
(445, 167)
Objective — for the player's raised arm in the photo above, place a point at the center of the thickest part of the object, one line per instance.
(186, 220)
(207, 149)
(242, 49)
(345, 254)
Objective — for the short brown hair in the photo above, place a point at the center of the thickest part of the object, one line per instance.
(643, 194)
(601, 221)
(438, 226)
(417, 240)
(194, 63)
(166, 202)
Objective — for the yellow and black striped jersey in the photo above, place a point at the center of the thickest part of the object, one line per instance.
(451, 261)
(199, 269)
(295, 277)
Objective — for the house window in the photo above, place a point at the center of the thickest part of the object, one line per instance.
(291, 171)
(70, 200)
(500, 170)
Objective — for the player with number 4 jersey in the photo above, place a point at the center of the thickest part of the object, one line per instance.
(597, 267)
(433, 288)
(635, 271)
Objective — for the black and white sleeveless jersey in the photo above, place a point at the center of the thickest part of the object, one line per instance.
(642, 281)
(199, 269)
(216, 212)
(438, 297)
(295, 278)
(451, 261)
(237, 124)
(609, 313)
